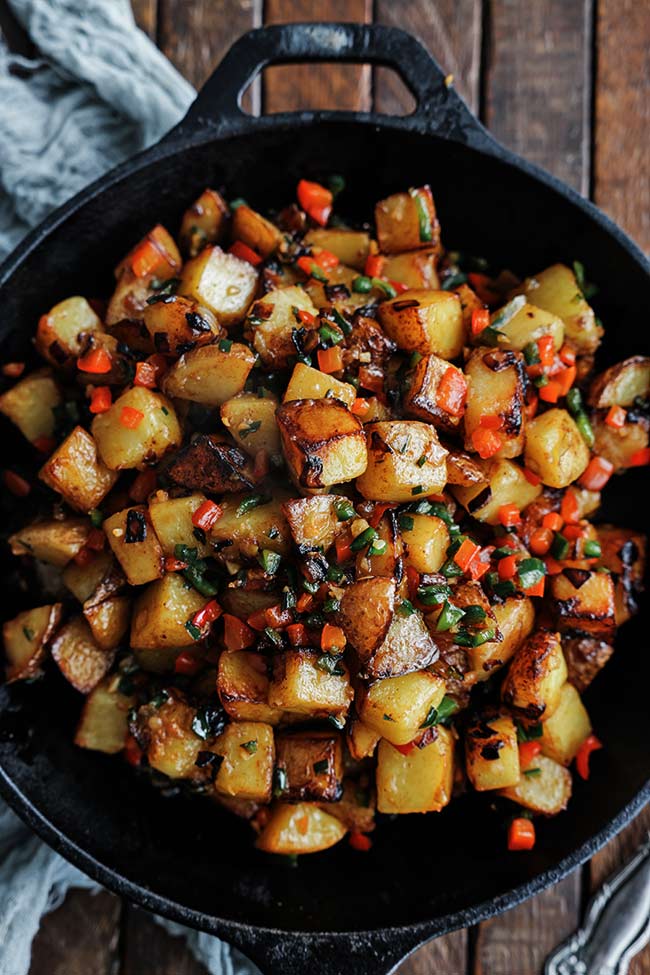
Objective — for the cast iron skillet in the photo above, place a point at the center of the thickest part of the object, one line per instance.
(340, 910)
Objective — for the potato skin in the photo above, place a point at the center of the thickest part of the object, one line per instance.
(421, 398)
(209, 464)
(301, 754)
(495, 387)
(621, 384)
(204, 222)
(62, 332)
(25, 639)
(393, 472)
(323, 442)
(425, 321)
(533, 684)
(584, 601)
(79, 658)
(178, 324)
(78, 472)
(208, 374)
(504, 483)
(585, 657)
(555, 449)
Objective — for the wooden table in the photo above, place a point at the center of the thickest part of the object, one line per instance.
(565, 83)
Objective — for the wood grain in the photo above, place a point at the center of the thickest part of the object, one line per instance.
(291, 87)
(80, 938)
(151, 951)
(538, 83)
(450, 29)
(146, 15)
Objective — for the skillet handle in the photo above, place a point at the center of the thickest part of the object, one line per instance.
(439, 109)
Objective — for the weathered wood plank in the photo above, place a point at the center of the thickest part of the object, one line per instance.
(538, 84)
(80, 938)
(288, 87)
(450, 29)
(146, 15)
(446, 955)
(151, 950)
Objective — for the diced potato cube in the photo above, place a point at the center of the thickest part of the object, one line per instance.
(77, 471)
(248, 530)
(103, 726)
(389, 562)
(426, 541)
(61, 334)
(492, 754)
(172, 747)
(407, 221)
(161, 660)
(618, 446)
(127, 304)
(584, 601)
(534, 682)
(79, 657)
(313, 521)
(421, 397)
(299, 684)
(515, 619)
(123, 446)
(312, 763)
(275, 319)
(83, 580)
(495, 387)
(178, 324)
(396, 470)
(463, 469)
(585, 657)
(555, 449)
(255, 230)
(222, 282)
(425, 321)
(204, 222)
(528, 324)
(25, 639)
(418, 782)
(172, 522)
(54, 542)
(30, 404)
(135, 545)
(109, 621)
(309, 383)
(621, 384)
(250, 419)
(415, 269)
(396, 708)
(362, 740)
(624, 554)
(210, 463)
(243, 687)
(506, 484)
(248, 753)
(161, 612)
(350, 246)
(210, 374)
(323, 442)
(299, 828)
(546, 789)
(556, 290)
(567, 728)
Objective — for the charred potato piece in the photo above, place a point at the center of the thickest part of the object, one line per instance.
(165, 731)
(425, 321)
(407, 221)
(396, 708)
(79, 657)
(248, 529)
(62, 333)
(492, 754)
(275, 319)
(209, 464)
(172, 522)
(138, 429)
(462, 469)
(312, 763)
(30, 404)
(178, 324)
(247, 750)
(314, 522)
(161, 612)
(103, 726)
(396, 470)
(323, 442)
(624, 554)
(135, 544)
(506, 484)
(584, 601)
(350, 246)
(418, 782)
(585, 657)
(299, 828)
(495, 387)
(250, 419)
(415, 269)
(547, 792)
(534, 682)
(221, 282)
(422, 399)
(299, 684)
(255, 231)
(210, 374)
(567, 728)
(77, 471)
(556, 290)
(427, 540)
(243, 687)
(309, 383)
(621, 384)
(54, 542)
(204, 222)
(555, 450)
(25, 640)
(515, 619)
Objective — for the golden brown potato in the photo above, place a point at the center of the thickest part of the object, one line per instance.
(543, 788)
(407, 221)
(172, 521)
(398, 707)
(314, 522)
(312, 763)
(621, 384)
(585, 657)
(25, 640)
(507, 484)
(135, 544)
(618, 445)
(103, 726)
(556, 290)
(463, 469)
(222, 282)
(155, 256)
(250, 419)
(61, 334)
(165, 730)
(492, 754)
(415, 269)
(255, 231)
(425, 321)
(362, 740)
(299, 684)
(210, 374)
(422, 398)
(210, 464)
(584, 601)
(161, 612)
(356, 808)
(243, 687)
(83, 580)
(624, 554)
(139, 428)
(567, 728)
(109, 620)
(300, 827)
(127, 305)
(248, 529)
(275, 319)
(204, 222)
(427, 540)
(77, 471)
(323, 442)
(418, 782)
(527, 324)
(309, 383)
(248, 752)
(555, 450)
(405, 461)
(178, 324)
(495, 387)
(79, 657)
(389, 562)
(515, 619)
(54, 542)
(340, 291)
(30, 404)
(350, 246)
(534, 682)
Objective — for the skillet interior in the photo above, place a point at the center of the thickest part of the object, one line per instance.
(421, 869)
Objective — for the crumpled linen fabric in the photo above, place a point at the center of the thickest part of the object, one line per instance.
(99, 92)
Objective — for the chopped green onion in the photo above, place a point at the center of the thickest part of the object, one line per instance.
(329, 334)
(434, 595)
(406, 608)
(530, 572)
(344, 509)
(474, 614)
(365, 538)
(384, 286)
(378, 547)
(454, 280)
(253, 501)
(585, 428)
(225, 345)
(96, 518)
(560, 547)
(449, 616)
(421, 461)
(329, 663)
(528, 732)
(250, 746)
(406, 523)
(418, 489)
(280, 781)
(269, 560)
(592, 549)
(574, 401)
(336, 184)
(531, 354)
(424, 217)
(321, 767)
(193, 630)
(361, 284)
(531, 772)
(252, 427)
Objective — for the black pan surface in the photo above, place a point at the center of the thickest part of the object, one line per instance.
(339, 910)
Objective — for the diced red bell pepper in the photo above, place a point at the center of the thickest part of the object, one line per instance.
(532, 477)
(359, 841)
(509, 515)
(101, 399)
(208, 614)
(541, 541)
(589, 745)
(315, 200)
(486, 442)
(332, 638)
(480, 320)
(452, 392)
(206, 515)
(616, 416)
(507, 567)
(467, 552)
(146, 375)
(330, 360)
(360, 407)
(528, 750)
(97, 361)
(374, 265)
(297, 634)
(521, 834)
(16, 484)
(379, 511)
(598, 472)
(552, 520)
(546, 350)
(640, 458)
(187, 663)
(131, 418)
(245, 253)
(236, 634)
(569, 508)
